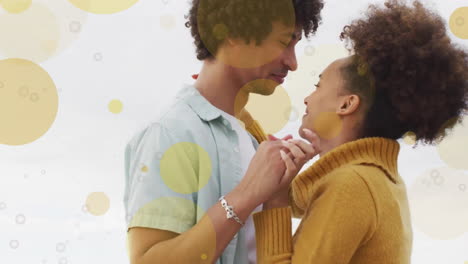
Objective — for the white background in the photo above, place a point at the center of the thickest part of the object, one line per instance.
(143, 64)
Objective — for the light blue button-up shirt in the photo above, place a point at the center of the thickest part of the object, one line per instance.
(149, 202)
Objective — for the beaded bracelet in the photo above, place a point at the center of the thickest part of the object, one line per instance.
(230, 211)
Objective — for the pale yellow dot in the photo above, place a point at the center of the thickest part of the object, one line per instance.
(459, 22)
(437, 206)
(26, 111)
(144, 168)
(185, 167)
(15, 6)
(301, 82)
(204, 249)
(97, 203)
(453, 148)
(327, 125)
(267, 102)
(33, 35)
(167, 22)
(237, 53)
(409, 138)
(220, 31)
(103, 6)
(115, 106)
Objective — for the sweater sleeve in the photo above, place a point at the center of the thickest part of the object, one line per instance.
(340, 218)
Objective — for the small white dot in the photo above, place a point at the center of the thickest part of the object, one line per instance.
(20, 219)
(60, 247)
(159, 155)
(14, 244)
(435, 174)
(309, 50)
(2, 206)
(63, 260)
(34, 97)
(98, 56)
(23, 91)
(75, 26)
(462, 187)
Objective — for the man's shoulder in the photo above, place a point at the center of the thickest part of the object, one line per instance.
(178, 120)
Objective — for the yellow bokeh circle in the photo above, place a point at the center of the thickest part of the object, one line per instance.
(459, 22)
(438, 204)
(103, 6)
(15, 6)
(225, 43)
(97, 203)
(267, 102)
(409, 138)
(453, 148)
(301, 82)
(327, 125)
(28, 102)
(43, 29)
(185, 167)
(115, 106)
(201, 252)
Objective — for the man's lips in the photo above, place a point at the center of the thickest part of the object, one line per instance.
(279, 78)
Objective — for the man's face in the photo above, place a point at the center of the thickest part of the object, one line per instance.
(271, 60)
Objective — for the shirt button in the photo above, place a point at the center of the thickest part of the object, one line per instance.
(225, 122)
(236, 149)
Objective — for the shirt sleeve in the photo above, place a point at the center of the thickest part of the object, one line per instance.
(154, 201)
(340, 218)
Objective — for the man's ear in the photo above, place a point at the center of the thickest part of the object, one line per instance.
(349, 104)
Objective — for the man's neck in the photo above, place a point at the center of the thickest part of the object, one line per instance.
(221, 88)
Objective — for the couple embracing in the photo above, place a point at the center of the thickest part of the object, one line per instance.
(219, 190)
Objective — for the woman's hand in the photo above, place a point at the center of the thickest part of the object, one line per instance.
(300, 152)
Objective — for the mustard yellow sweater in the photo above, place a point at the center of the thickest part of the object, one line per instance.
(354, 207)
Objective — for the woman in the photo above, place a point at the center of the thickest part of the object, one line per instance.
(405, 75)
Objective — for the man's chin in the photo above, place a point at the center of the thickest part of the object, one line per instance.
(264, 92)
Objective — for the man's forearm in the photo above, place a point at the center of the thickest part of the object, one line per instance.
(206, 241)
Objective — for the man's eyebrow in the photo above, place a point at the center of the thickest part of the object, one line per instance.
(320, 76)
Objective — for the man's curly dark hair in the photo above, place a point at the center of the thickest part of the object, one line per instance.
(247, 19)
(416, 77)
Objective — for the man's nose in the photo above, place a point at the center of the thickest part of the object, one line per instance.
(290, 59)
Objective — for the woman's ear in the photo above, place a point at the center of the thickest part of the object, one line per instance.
(349, 104)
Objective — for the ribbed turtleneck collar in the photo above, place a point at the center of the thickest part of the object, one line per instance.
(380, 152)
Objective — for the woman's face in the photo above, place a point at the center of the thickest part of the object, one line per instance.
(323, 104)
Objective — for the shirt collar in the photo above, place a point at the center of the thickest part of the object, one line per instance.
(204, 109)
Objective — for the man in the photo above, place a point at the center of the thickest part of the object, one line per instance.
(199, 151)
